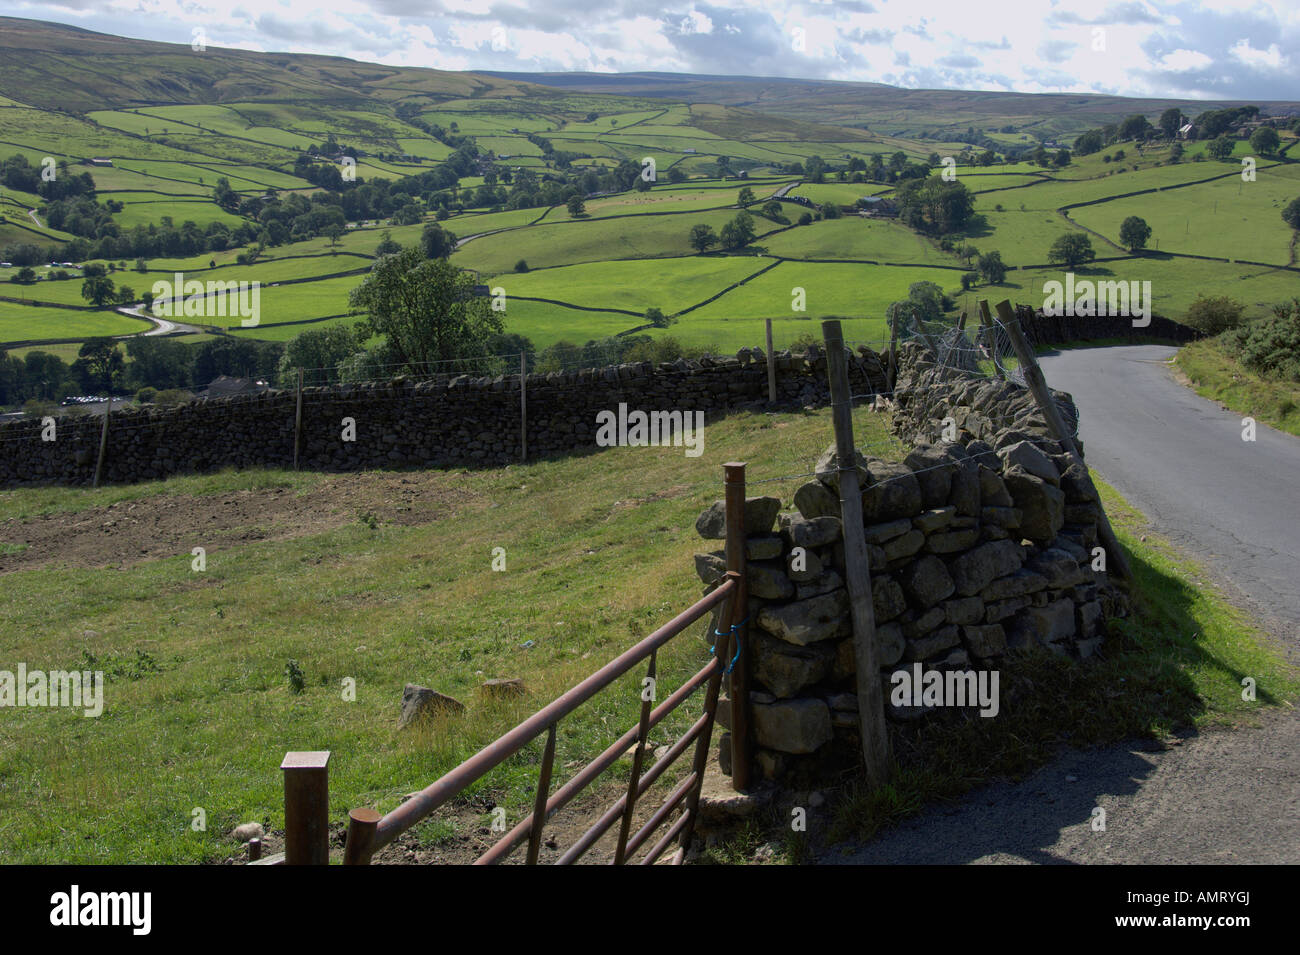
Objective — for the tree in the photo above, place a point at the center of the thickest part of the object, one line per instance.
(97, 289)
(676, 175)
(426, 308)
(703, 237)
(99, 365)
(158, 362)
(125, 295)
(224, 196)
(739, 232)
(772, 209)
(656, 317)
(1291, 214)
(1062, 158)
(576, 206)
(745, 197)
(832, 210)
(1135, 127)
(320, 350)
(1134, 232)
(521, 266)
(387, 245)
(1071, 249)
(1171, 120)
(437, 242)
(991, 268)
(1220, 148)
(934, 206)
(24, 276)
(1265, 140)
(1089, 142)
(1214, 314)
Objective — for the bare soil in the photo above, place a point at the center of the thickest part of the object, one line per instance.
(164, 525)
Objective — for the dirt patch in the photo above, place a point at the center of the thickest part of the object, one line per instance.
(469, 838)
(131, 532)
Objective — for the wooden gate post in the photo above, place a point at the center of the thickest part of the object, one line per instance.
(738, 646)
(871, 698)
(893, 354)
(306, 808)
(103, 442)
(1043, 397)
(771, 366)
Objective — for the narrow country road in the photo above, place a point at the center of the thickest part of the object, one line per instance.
(1214, 797)
(1230, 504)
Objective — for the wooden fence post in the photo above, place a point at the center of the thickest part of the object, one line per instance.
(857, 571)
(893, 352)
(990, 332)
(1043, 397)
(930, 343)
(306, 808)
(771, 366)
(103, 442)
(738, 646)
(297, 423)
(523, 406)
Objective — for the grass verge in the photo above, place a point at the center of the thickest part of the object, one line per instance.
(1217, 375)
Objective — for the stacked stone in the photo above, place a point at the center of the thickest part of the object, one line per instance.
(448, 421)
(975, 551)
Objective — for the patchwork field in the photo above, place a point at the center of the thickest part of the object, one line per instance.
(594, 275)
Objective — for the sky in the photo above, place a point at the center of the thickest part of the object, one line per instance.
(1225, 49)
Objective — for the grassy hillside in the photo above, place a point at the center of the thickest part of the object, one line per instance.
(386, 578)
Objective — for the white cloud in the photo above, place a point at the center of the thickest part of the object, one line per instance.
(1184, 60)
(1225, 48)
(1271, 58)
(696, 22)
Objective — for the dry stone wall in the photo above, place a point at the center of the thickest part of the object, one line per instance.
(452, 421)
(979, 547)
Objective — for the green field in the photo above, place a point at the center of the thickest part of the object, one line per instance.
(629, 252)
(33, 322)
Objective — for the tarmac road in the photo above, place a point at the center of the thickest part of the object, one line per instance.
(1230, 504)
(1215, 797)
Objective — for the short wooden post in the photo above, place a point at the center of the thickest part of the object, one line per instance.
(771, 366)
(361, 834)
(103, 442)
(1043, 397)
(254, 849)
(523, 406)
(297, 423)
(925, 336)
(871, 701)
(306, 808)
(738, 646)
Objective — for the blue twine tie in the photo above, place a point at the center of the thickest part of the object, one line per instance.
(719, 633)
